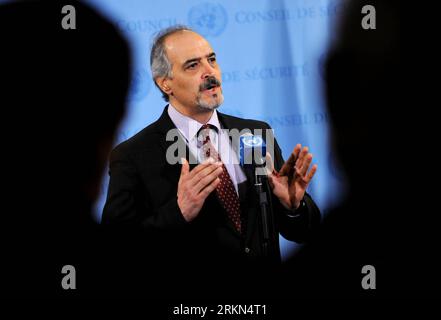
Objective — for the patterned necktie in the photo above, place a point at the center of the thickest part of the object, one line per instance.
(225, 191)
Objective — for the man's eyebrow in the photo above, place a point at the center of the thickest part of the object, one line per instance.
(210, 55)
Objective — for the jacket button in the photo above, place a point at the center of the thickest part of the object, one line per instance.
(247, 250)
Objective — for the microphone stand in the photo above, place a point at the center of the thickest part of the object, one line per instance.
(265, 208)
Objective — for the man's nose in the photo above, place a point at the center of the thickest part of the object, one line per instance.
(208, 70)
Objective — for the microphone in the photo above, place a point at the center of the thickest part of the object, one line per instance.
(252, 150)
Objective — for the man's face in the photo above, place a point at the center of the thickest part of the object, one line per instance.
(196, 77)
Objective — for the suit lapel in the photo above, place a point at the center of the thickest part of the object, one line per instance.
(164, 125)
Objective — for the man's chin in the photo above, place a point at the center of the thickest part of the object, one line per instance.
(208, 106)
(211, 103)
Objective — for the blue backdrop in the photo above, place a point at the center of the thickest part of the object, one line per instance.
(271, 54)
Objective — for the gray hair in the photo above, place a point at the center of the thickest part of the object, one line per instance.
(159, 63)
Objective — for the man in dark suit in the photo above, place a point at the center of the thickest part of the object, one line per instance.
(207, 214)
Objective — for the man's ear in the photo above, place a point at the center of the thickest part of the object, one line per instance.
(164, 84)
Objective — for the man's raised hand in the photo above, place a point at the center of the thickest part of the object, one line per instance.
(194, 186)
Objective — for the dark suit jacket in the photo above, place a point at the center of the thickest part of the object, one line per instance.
(142, 198)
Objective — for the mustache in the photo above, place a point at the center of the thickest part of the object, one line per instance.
(209, 83)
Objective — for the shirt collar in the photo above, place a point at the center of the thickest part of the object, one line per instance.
(188, 126)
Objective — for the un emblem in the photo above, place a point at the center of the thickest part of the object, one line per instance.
(140, 85)
(208, 19)
(252, 141)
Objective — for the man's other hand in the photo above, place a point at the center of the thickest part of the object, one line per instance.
(194, 186)
(290, 184)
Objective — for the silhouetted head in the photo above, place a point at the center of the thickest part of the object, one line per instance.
(63, 95)
(362, 74)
